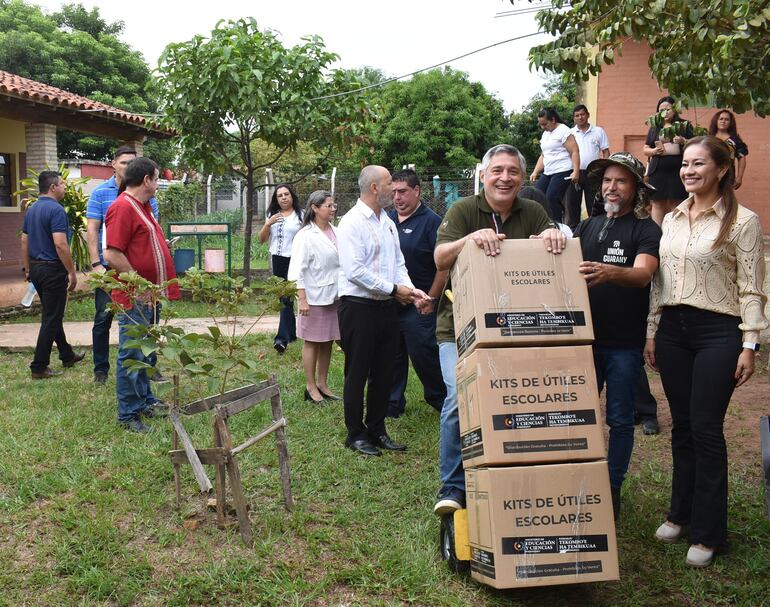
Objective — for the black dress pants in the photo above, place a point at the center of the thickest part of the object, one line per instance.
(697, 353)
(369, 332)
(50, 280)
(574, 198)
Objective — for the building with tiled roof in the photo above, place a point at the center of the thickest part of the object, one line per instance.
(30, 114)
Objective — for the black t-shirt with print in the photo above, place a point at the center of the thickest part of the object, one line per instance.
(619, 313)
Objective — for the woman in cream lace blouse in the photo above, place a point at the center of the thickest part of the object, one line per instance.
(706, 312)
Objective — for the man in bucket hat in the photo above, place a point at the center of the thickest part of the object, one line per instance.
(620, 249)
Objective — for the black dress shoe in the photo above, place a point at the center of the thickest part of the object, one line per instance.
(363, 446)
(155, 410)
(46, 373)
(388, 443)
(280, 348)
(137, 426)
(75, 359)
(329, 396)
(309, 397)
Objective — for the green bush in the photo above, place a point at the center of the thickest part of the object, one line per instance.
(232, 216)
(178, 202)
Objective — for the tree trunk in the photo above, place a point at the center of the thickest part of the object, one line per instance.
(248, 228)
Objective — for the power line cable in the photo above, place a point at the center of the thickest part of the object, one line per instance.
(425, 69)
(377, 84)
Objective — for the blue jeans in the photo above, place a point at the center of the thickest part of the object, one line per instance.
(450, 454)
(100, 334)
(618, 370)
(132, 388)
(418, 343)
(554, 186)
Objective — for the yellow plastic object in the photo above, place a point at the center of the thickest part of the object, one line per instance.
(462, 547)
(449, 296)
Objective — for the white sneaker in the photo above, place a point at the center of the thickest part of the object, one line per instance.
(669, 532)
(446, 505)
(699, 556)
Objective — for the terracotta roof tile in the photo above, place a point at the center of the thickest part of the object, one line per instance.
(24, 88)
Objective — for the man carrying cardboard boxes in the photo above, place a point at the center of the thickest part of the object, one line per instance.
(620, 249)
(486, 219)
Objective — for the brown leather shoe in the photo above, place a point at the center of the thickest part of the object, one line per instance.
(78, 356)
(46, 373)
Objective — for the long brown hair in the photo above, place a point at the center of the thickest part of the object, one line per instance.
(720, 154)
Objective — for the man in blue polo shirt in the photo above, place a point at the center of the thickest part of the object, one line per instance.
(101, 199)
(417, 226)
(45, 252)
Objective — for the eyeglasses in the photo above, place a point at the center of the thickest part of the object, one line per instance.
(608, 223)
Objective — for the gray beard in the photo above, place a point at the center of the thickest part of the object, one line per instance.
(612, 208)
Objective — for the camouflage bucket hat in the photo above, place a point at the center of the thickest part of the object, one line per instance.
(595, 170)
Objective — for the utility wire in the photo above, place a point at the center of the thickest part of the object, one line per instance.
(378, 84)
(425, 69)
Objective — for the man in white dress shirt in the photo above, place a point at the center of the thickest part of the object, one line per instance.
(373, 278)
(593, 143)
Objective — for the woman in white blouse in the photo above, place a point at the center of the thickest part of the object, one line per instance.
(559, 161)
(284, 220)
(315, 267)
(706, 312)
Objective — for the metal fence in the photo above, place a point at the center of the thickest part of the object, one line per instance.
(440, 187)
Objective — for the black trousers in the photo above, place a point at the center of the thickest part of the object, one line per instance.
(646, 405)
(50, 280)
(697, 352)
(574, 197)
(369, 333)
(287, 322)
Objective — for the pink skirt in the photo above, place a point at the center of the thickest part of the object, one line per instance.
(320, 324)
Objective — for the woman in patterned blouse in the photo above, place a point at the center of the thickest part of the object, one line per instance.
(706, 311)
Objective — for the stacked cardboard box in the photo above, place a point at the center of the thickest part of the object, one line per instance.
(537, 486)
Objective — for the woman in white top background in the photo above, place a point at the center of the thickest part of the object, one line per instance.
(315, 267)
(559, 161)
(284, 220)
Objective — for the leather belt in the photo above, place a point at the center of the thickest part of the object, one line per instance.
(382, 303)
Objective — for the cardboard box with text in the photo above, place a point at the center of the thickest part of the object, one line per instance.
(541, 525)
(525, 296)
(529, 405)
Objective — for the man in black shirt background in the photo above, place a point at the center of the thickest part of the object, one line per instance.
(620, 249)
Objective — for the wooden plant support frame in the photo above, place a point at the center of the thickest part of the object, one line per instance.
(223, 455)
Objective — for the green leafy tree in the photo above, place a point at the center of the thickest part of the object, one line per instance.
(436, 119)
(76, 50)
(525, 132)
(241, 85)
(699, 47)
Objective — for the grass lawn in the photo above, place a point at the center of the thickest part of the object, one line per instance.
(87, 513)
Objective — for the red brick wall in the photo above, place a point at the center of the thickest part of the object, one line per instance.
(97, 171)
(10, 227)
(627, 94)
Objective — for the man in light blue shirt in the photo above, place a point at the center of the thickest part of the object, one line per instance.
(101, 199)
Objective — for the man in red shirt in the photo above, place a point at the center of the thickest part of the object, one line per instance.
(135, 242)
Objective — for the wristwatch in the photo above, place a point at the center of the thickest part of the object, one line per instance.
(96, 264)
(748, 345)
(394, 291)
